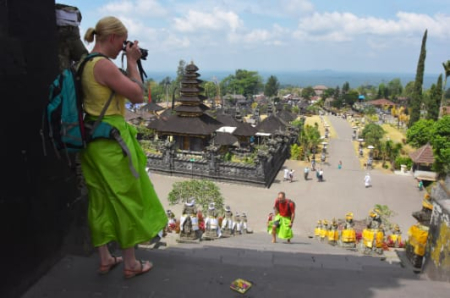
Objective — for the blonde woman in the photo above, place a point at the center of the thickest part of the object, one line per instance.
(123, 206)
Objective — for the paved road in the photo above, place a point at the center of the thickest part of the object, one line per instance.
(303, 269)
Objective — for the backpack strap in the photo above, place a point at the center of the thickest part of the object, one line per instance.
(116, 135)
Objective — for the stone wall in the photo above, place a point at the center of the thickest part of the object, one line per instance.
(437, 256)
(210, 166)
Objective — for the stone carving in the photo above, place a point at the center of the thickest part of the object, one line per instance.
(227, 223)
(189, 229)
(212, 229)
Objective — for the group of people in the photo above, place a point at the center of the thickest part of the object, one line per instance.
(288, 175)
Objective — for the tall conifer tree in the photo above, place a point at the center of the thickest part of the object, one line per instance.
(416, 100)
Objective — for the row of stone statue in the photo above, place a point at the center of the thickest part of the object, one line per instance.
(369, 238)
(194, 226)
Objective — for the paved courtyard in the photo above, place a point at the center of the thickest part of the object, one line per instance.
(342, 191)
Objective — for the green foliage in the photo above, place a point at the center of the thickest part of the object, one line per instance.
(372, 134)
(395, 88)
(420, 133)
(434, 100)
(271, 87)
(369, 110)
(145, 132)
(441, 145)
(308, 92)
(416, 100)
(296, 152)
(298, 123)
(385, 215)
(242, 82)
(204, 192)
(228, 156)
(402, 160)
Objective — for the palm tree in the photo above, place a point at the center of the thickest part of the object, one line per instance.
(446, 66)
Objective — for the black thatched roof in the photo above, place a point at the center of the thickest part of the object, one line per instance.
(286, 115)
(271, 125)
(202, 125)
(245, 130)
(225, 139)
(151, 106)
(227, 120)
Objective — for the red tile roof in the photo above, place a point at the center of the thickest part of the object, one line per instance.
(381, 101)
(423, 155)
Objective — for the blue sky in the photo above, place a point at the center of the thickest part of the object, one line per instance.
(283, 35)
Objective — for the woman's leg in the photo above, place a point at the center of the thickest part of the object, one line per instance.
(132, 264)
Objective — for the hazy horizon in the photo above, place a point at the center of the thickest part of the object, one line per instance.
(327, 77)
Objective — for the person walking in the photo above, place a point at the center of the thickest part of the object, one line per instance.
(340, 165)
(291, 175)
(286, 174)
(306, 172)
(122, 207)
(284, 218)
(367, 180)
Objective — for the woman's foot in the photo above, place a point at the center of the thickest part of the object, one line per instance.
(140, 267)
(112, 263)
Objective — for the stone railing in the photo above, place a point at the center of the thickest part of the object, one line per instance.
(209, 165)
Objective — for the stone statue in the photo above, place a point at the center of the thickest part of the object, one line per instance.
(347, 237)
(237, 225)
(227, 223)
(333, 234)
(245, 228)
(189, 229)
(212, 229)
(318, 229)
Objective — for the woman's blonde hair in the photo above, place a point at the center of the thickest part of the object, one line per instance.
(105, 27)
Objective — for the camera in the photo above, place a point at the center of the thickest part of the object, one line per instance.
(144, 52)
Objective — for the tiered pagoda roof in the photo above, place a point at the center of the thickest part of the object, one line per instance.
(190, 118)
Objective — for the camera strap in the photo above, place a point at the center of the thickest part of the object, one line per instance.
(142, 72)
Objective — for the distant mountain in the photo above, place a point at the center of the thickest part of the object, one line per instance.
(327, 77)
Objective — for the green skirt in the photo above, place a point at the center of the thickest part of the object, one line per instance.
(283, 231)
(122, 208)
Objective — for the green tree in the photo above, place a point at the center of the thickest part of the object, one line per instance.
(383, 91)
(446, 66)
(203, 191)
(408, 90)
(243, 82)
(434, 100)
(395, 88)
(308, 92)
(309, 139)
(345, 87)
(350, 97)
(420, 133)
(416, 100)
(441, 145)
(271, 87)
(372, 135)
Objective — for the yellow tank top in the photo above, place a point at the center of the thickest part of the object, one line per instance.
(95, 95)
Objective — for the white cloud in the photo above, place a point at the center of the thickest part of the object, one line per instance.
(338, 27)
(147, 8)
(215, 21)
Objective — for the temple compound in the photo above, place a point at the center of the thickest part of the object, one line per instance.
(193, 143)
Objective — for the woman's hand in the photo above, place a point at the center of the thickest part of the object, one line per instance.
(133, 52)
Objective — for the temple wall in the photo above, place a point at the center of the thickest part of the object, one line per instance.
(437, 256)
(42, 213)
(221, 171)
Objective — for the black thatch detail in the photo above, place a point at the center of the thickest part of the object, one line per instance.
(129, 115)
(245, 130)
(286, 116)
(272, 124)
(151, 106)
(227, 120)
(225, 139)
(200, 126)
(189, 109)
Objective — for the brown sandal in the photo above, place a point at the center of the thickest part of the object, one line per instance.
(129, 273)
(104, 269)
